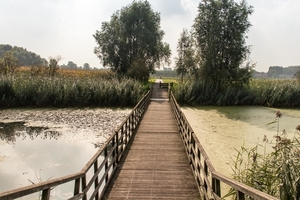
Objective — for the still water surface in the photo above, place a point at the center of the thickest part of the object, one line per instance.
(34, 154)
(221, 129)
(30, 154)
(41, 144)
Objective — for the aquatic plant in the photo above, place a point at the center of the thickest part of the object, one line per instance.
(273, 93)
(276, 172)
(44, 91)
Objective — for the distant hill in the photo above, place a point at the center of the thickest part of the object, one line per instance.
(25, 57)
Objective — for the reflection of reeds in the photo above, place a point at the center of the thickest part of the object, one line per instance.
(68, 91)
(276, 173)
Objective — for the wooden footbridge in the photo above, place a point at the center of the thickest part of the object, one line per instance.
(154, 154)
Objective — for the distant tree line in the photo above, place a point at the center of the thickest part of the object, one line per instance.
(24, 57)
(72, 65)
(279, 71)
(13, 57)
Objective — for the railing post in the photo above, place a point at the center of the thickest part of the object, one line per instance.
(216, 186)
(126, 132)
(117, 148)
(46, 194)
(240, 195)
(96, 179)
(83, 186)
(77, 186)
(106, 164)
(122, 140)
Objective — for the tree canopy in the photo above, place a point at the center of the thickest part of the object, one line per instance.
(187, 60)
(131, 42)
(220, 29)
(25, 57)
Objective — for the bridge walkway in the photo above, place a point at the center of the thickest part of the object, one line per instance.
(155, 164)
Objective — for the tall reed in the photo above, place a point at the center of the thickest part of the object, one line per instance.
(44, 91)
(276, 172)
(275, 93)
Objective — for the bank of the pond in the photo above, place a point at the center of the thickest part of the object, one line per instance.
(222, 129)
(50, 143)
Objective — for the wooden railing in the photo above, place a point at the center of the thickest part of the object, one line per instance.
(208, 179)
(97, 172)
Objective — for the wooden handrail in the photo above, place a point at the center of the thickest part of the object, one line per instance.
(207, 178)
(102, 165)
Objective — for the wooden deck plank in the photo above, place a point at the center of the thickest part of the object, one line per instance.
(154, 165)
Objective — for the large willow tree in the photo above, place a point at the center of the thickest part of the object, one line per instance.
(220, 29)
(131, 43)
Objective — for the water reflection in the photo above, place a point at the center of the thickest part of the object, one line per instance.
(32, 155)
(9, 132)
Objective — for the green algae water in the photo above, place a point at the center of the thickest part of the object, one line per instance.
(222, 129)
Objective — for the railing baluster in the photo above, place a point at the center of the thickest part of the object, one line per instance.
(77, 186)
(240, 195)
(216, 186)
(106, 164)
(46, 194)
(96, 182)
(117, 148)
(83, 185)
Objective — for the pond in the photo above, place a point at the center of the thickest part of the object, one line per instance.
(222, 129)
(41, 144)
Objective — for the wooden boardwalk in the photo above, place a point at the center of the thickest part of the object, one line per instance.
(155, 164)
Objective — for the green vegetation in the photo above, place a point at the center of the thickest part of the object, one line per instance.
(220, 50)
(25, 58)
(186, 62)
(45, 91)
(131, 43)
(277, 172)
(8, 63)
(270, 92)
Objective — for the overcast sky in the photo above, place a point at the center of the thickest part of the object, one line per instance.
(66, 27)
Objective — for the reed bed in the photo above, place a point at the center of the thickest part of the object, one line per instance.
(272, 93)
(276, 93)
(42, 91)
